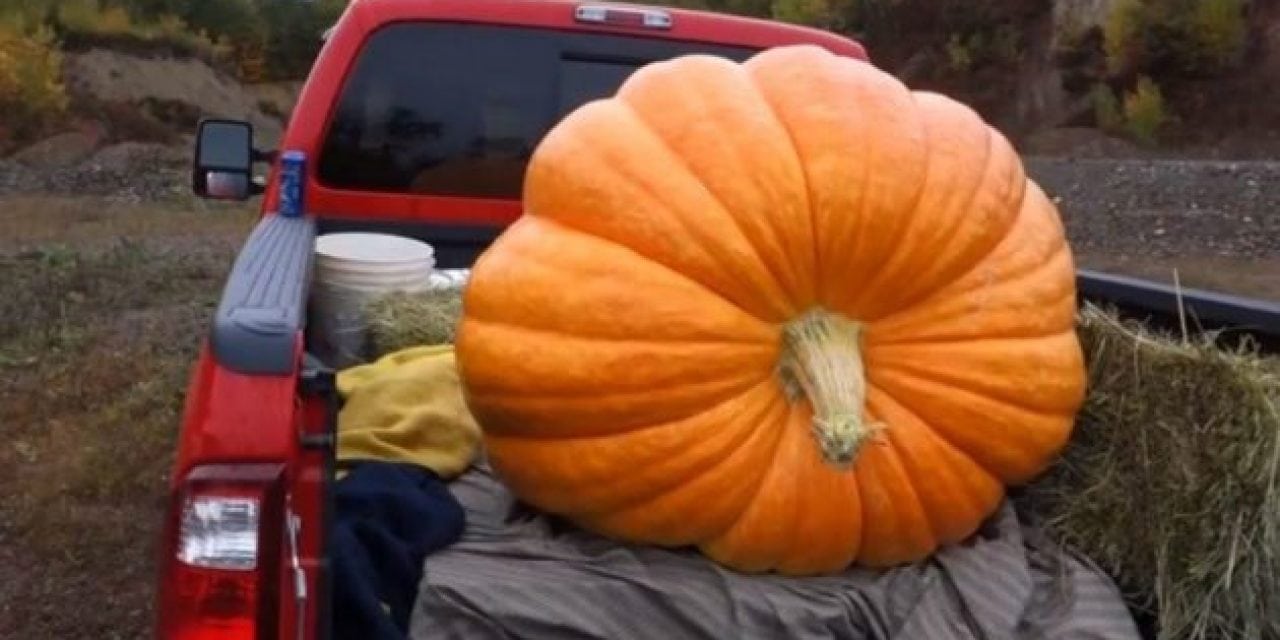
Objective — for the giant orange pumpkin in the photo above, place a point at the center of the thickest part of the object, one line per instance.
(787, 311)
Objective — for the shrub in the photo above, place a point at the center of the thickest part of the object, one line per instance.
(1144, 111)
(32, 96)
(1220, 31)
(1106, 109)
(1141, 116)
(251, 60)
(1123, 33)
(959, 56)
(817, 13)
(87, 16)
(24, 15)
(1175, 36)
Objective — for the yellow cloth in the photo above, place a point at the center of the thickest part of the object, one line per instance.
(407, 407)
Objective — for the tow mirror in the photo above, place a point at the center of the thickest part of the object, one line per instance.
(224, 157)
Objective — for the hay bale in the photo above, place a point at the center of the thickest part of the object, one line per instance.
(1170, 480)
(401, 320)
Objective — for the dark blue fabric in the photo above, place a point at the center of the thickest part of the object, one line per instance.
(388, 517)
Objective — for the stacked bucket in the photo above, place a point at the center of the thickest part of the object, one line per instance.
(352, 270)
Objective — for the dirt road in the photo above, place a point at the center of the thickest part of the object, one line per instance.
(1216, 223)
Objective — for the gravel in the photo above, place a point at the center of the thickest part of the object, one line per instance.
(1166, 208)
(1129, 207)
(128, 172)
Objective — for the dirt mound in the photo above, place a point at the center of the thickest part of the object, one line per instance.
(129, 172)
(173, 92)
(60, 150)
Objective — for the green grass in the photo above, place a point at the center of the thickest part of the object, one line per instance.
(99, 326)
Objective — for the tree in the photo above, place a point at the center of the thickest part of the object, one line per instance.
(237, 20)
(293, 33)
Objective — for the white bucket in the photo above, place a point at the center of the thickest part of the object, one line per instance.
(351, 270)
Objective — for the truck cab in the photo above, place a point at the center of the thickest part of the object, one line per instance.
(417, 119)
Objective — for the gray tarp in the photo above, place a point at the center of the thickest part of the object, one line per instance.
(516, 574)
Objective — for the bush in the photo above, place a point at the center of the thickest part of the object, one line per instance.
(1106, 109)
(91, 23)
(1142, 116)
(1144, 111)
(825, 14)
(1220, 31)
(24, 16)
(1122, 33)
(87, 16)
(293, 34)
(32, 96)
(1175, 36)
(240, 34)
(959, 54)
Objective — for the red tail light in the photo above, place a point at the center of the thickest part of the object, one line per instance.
(220, 568)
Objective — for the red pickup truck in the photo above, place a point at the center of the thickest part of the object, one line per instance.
(417, 119)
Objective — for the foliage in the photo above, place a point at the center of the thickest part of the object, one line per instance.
(262, 39)
(987, 46)
(1220, 30)
(293, 33)
(1175, 36)
(31, 92)
(959, 54)
(1106, 109)
(1144, 111)
(88, 16)
(1141, 116)
(827, 14)
(976, 34)
(1121, 31)
(236, 20)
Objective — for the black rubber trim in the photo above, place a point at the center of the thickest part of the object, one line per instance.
(456, 246)
(1207, 310)
(319, 381)
(263, 307)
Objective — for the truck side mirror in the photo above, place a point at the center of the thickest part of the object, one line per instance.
(224, 157)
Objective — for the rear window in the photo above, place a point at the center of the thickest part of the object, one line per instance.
(456, 110)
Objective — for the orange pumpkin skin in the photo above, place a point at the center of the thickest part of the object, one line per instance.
(621, 341)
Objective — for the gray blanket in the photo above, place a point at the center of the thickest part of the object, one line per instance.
(517, 574)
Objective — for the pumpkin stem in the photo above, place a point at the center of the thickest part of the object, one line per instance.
(822, 360)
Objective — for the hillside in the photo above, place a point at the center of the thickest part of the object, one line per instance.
(1096, 78)
(146, 70)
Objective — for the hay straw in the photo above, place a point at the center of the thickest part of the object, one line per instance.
(402, 320)
(1170, 480)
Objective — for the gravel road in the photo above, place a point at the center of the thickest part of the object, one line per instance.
(1129, 207)
(1166, 208)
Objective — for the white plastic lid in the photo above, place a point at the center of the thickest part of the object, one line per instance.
(373, 247)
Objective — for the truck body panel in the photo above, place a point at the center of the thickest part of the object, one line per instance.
(260, 413)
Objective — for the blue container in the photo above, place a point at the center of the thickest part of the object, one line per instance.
(293, 180)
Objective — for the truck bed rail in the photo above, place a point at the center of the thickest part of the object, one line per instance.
(263, 309)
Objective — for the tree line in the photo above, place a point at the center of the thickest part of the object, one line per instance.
(261, 39)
